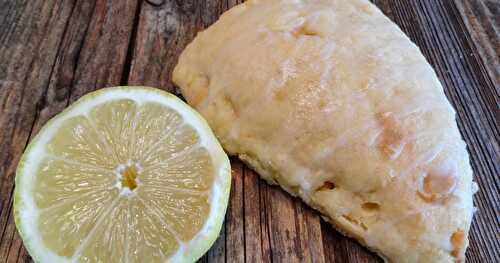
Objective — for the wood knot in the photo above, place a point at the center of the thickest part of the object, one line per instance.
(155, 2)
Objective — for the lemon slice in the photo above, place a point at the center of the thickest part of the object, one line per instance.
(126, 174)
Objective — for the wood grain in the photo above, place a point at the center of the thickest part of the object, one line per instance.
(481, 20)
(28, 51)
(54, 51)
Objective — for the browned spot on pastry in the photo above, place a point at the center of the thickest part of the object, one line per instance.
(425, 197)
(437, 186)
(457, 241)
(364, 7)
(231, 104)
(391, 138)
(326, 186)
(200, 87)
(281, 94)
(370, 206)
(304, 30)
(355, 222)
(322, 104)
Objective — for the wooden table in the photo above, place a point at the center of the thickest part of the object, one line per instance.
(54, 51)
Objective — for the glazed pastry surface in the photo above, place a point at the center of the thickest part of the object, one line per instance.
(332, 101)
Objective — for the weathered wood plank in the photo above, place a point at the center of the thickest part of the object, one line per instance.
(339, 249)
(256, 233)
(235, 216)
(481, 20)
(101, 60)
(294, 229)
(308, 223)
(264, 227)
(27, 56)
(284, 237)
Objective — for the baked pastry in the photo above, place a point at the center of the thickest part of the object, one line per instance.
(330, 100)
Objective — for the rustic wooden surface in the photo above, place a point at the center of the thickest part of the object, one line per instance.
(54, 51)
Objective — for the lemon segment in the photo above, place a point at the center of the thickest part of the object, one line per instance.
(125, 174)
